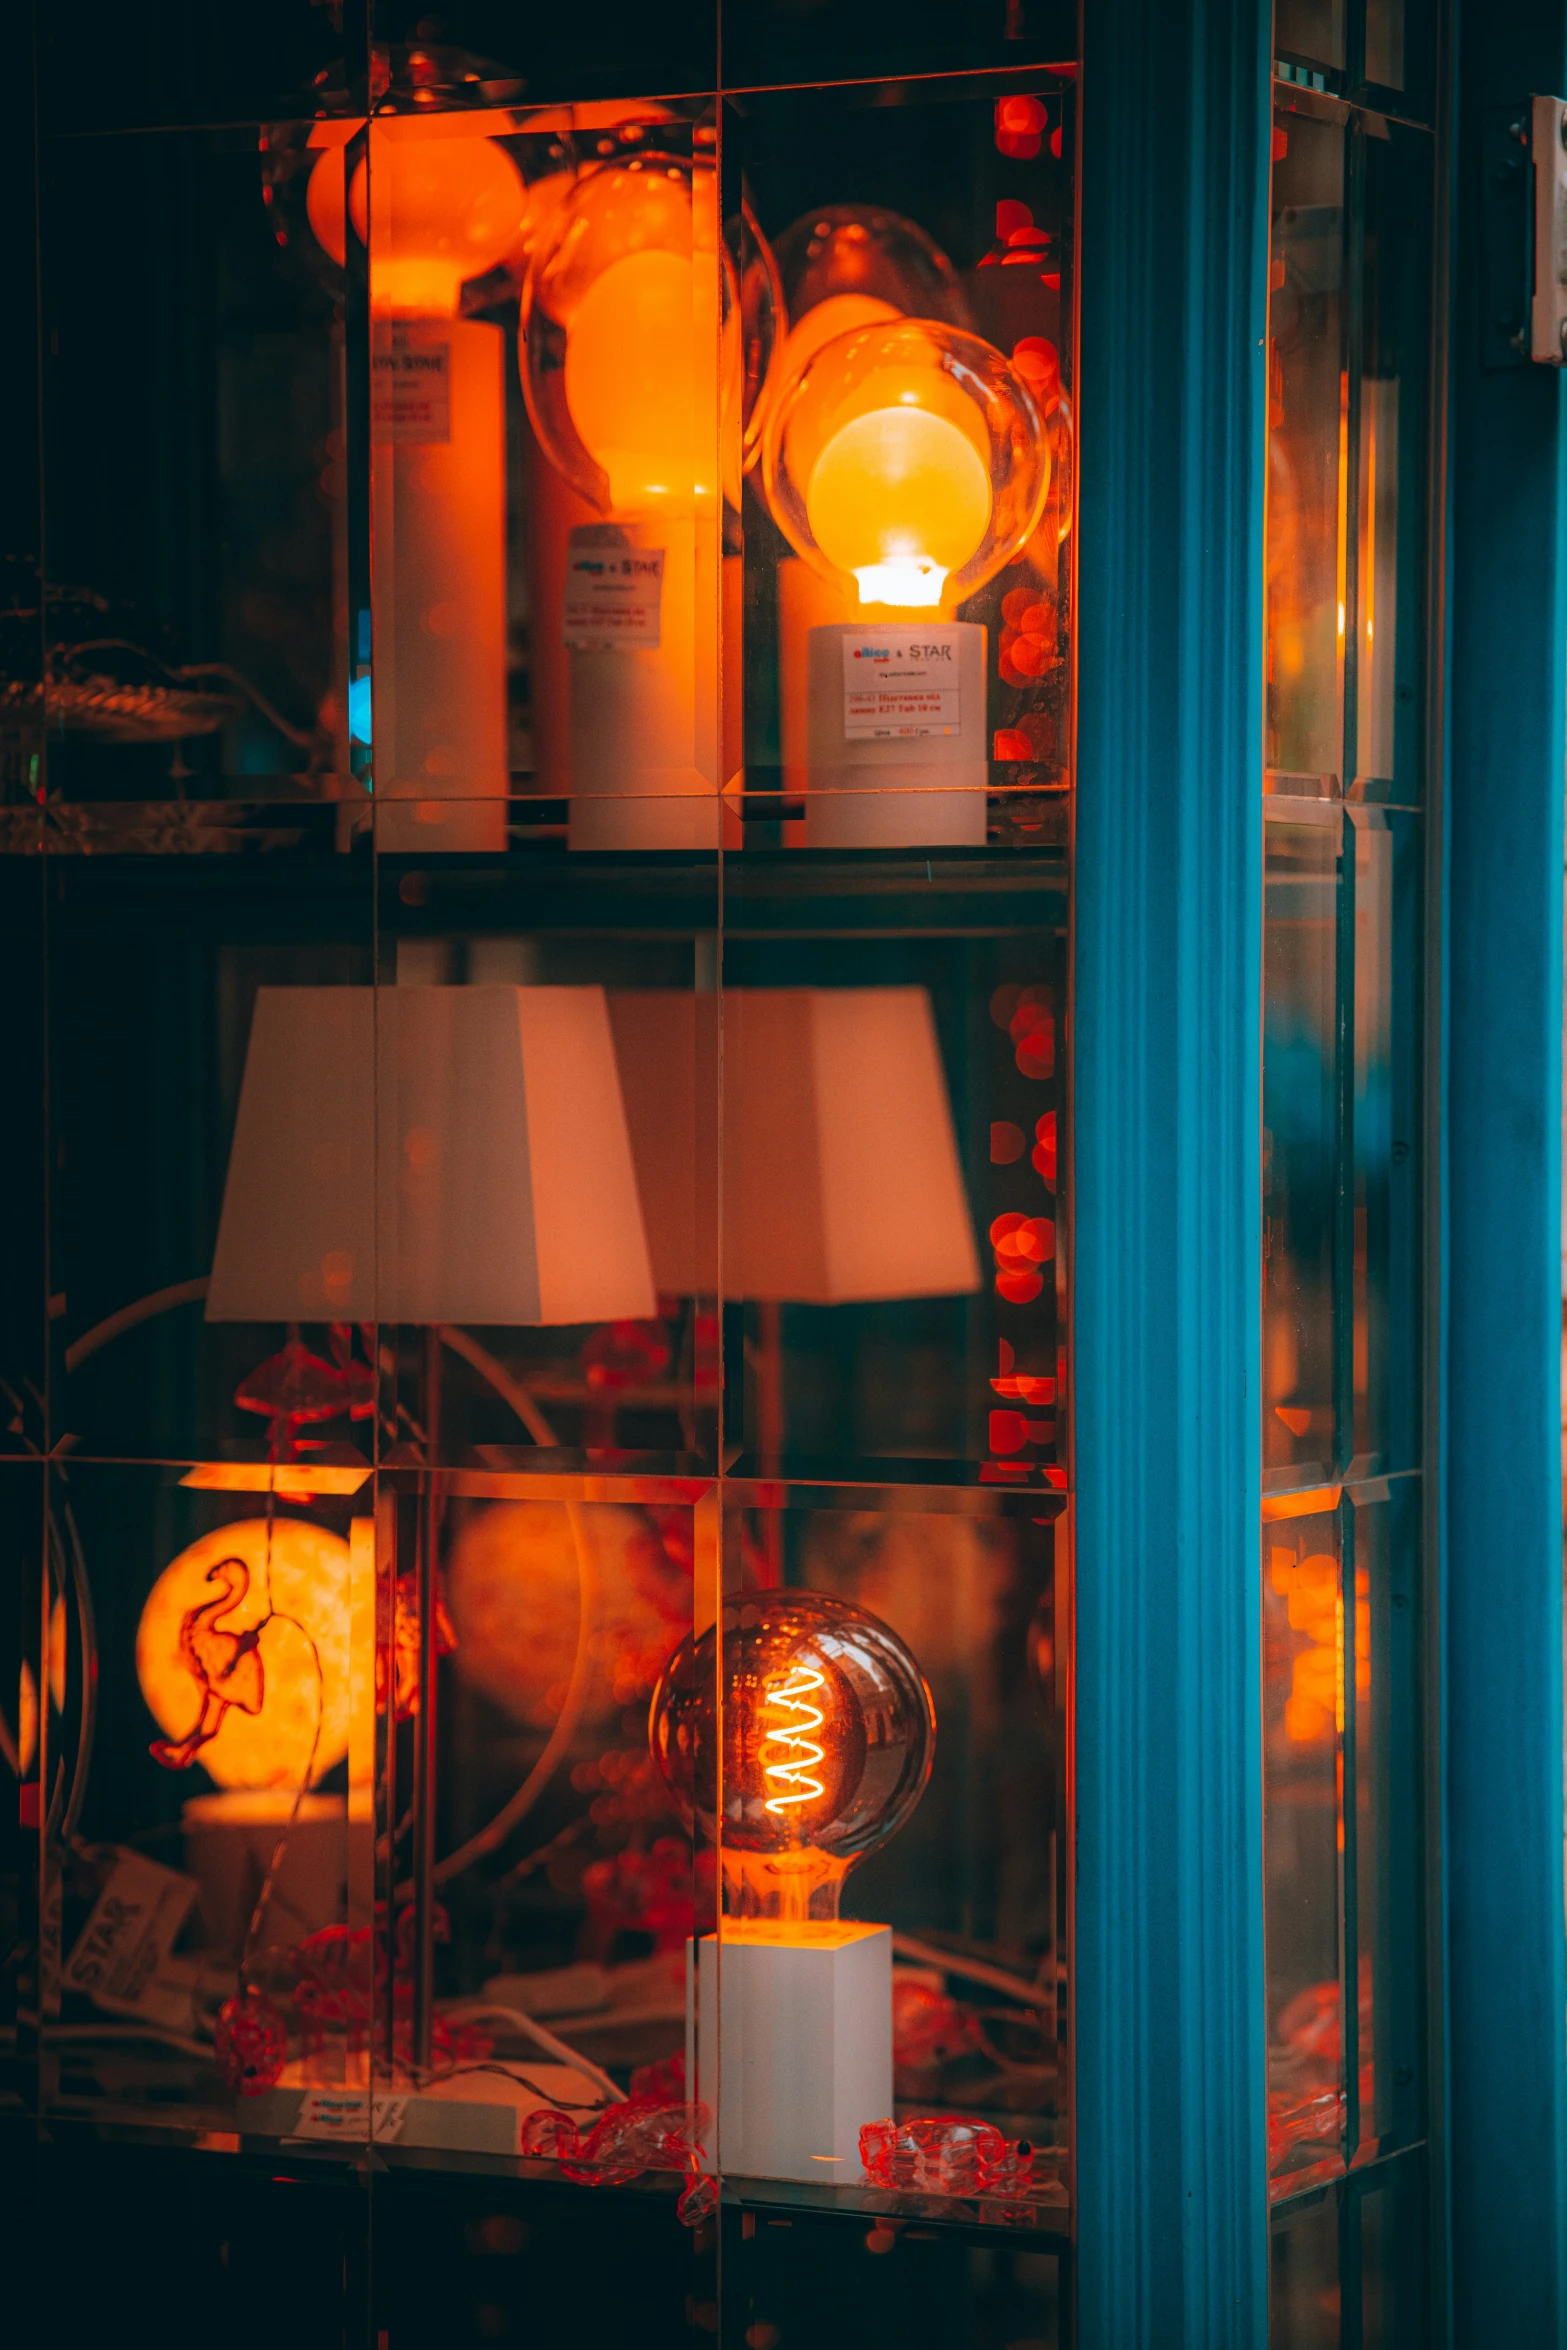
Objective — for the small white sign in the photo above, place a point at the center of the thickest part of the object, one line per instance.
(411, 386)
(614, 594)
(135, 1922)
(349, 2115)
(899, 684)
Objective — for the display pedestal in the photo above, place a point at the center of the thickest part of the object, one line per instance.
(804, 2018)
(897, 746)
(641, 628)
(442, 772)
(230, 1840)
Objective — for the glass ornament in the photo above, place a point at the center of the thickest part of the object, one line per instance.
(827, 1732)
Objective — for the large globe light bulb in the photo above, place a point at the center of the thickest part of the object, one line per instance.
(827, 1733)
(630, 336)
(242, 1654)
(435, 212)
(909, 460)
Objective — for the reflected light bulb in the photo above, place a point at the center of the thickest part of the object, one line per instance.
(436, 212)
(242, 1654)
(827, 1733)
(640, 404)
(631, 337)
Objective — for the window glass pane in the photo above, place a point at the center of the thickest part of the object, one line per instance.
(1310, 29)
(1300, 1124)
(1307, 415)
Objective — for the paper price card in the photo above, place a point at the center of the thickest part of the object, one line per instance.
(614, 593)
(350, 2116)
(899, 684)
(134, 1924)
(411, 385)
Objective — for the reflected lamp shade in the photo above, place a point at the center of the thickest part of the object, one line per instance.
(431, 1154)
(841, 1178)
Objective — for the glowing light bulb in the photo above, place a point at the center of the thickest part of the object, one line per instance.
(435, 212)
(907, 458)
(901, 498)
(825, 1730)
(639, 400)
(242, 1654)
(790, 1772)
(631, 336)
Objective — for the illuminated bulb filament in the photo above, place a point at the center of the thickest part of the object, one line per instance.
(791, 1775)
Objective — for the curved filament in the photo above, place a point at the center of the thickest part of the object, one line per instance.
(790, 1772)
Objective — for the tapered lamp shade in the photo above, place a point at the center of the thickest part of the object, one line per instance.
(841, 1179)
(431, 1154)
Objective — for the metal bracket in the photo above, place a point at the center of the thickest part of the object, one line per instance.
(1548, 306)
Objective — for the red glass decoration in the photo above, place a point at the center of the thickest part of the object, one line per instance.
(225, 1665)
(251, 2041)
(950, 2155)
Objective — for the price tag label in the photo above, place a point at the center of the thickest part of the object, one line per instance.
(614, 593)
(350, 2116)
(899, 684)
(121, 1952)
(411, 386)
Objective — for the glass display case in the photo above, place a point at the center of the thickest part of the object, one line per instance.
(1345, 1508)
(553, 1625)
(539, 762)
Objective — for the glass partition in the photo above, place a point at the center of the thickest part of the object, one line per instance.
(1346, 1628)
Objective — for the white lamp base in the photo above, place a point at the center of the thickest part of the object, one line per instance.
(803, 2015)
(897, 746)
(230, 1840)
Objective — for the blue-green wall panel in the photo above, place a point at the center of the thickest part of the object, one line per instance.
(1170, 2090)
(1507, 2102)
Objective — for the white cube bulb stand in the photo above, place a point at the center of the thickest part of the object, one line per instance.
(641, 627)
(897, 735)
(793, 2033)
(442, 768)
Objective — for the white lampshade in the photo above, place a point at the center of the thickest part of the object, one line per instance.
(502, 1191)
(841, 1179)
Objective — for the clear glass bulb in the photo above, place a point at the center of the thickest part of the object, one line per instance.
(907, 462)
(630, 327)
(827, 1733)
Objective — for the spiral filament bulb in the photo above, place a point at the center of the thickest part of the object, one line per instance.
(790, 1770)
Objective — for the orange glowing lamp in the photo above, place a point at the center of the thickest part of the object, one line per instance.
(434, 209)
(631, 346)
(243, 1654)
(905, 461)
(826, 1731)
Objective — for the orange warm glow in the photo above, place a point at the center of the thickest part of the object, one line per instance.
(789, 1768)
(1314, 1707)
(435, 212)
(896, 473)
(640, 384)
(242, 1654)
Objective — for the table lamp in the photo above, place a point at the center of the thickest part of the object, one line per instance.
(436, 203)
(842, 1180)
(630, 343)
(245, 1657)
(430, 1155)
(797, 1734)
(906, 462)
(840, 267)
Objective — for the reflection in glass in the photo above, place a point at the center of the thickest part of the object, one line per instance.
(1300, 1133)
(1311, 29)
(1306, 410)
(631, 346)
